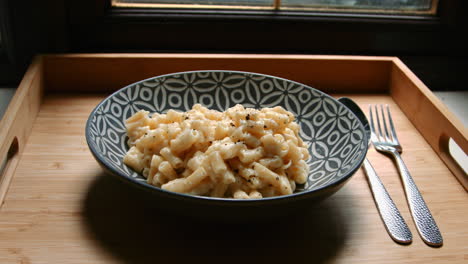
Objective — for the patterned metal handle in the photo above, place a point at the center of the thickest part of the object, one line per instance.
(422, 217)
(394, 222)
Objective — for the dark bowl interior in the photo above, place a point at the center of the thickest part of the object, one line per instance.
(336, 138)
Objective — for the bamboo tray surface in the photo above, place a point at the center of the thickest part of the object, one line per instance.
(60, 207)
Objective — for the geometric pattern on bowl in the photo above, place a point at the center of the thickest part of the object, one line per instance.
(335, 136)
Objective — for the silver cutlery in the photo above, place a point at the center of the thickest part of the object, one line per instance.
(391, 216)
(385, 140)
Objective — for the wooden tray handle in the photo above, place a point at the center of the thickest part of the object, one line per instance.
(436, 123)
(8, 165)
(446, 154)
(17, 122)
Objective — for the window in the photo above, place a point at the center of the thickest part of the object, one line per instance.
(426, 34)
(365, 27)
(240, 4)
(372, 6)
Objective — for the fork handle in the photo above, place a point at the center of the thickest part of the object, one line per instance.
(422, 217)
(391, 216)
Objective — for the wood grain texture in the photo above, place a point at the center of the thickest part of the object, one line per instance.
(360, 74)
(430, 116)
(108, 72)
(61, 208)
(16, 124)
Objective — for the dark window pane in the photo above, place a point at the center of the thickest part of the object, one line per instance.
(359, 5)
(154, 3)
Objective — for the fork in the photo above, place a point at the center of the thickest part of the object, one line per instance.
(385, 140)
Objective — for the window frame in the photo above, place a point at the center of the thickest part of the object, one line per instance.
(432, 46)
(275, 4)
(123, 29)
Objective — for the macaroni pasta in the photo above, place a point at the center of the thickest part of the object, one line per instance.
(241, 153)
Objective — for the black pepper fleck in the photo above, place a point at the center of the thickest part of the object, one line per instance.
(247, 117)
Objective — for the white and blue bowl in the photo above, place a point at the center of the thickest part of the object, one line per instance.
(336, 138)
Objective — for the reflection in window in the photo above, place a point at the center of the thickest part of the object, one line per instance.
(376, 5)
(198, 2)
(379, 6)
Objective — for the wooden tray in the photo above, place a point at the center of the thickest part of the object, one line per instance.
(59, 206)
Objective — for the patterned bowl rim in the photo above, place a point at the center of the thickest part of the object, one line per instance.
(109, 167)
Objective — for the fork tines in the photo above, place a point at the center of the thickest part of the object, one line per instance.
(384, 132)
